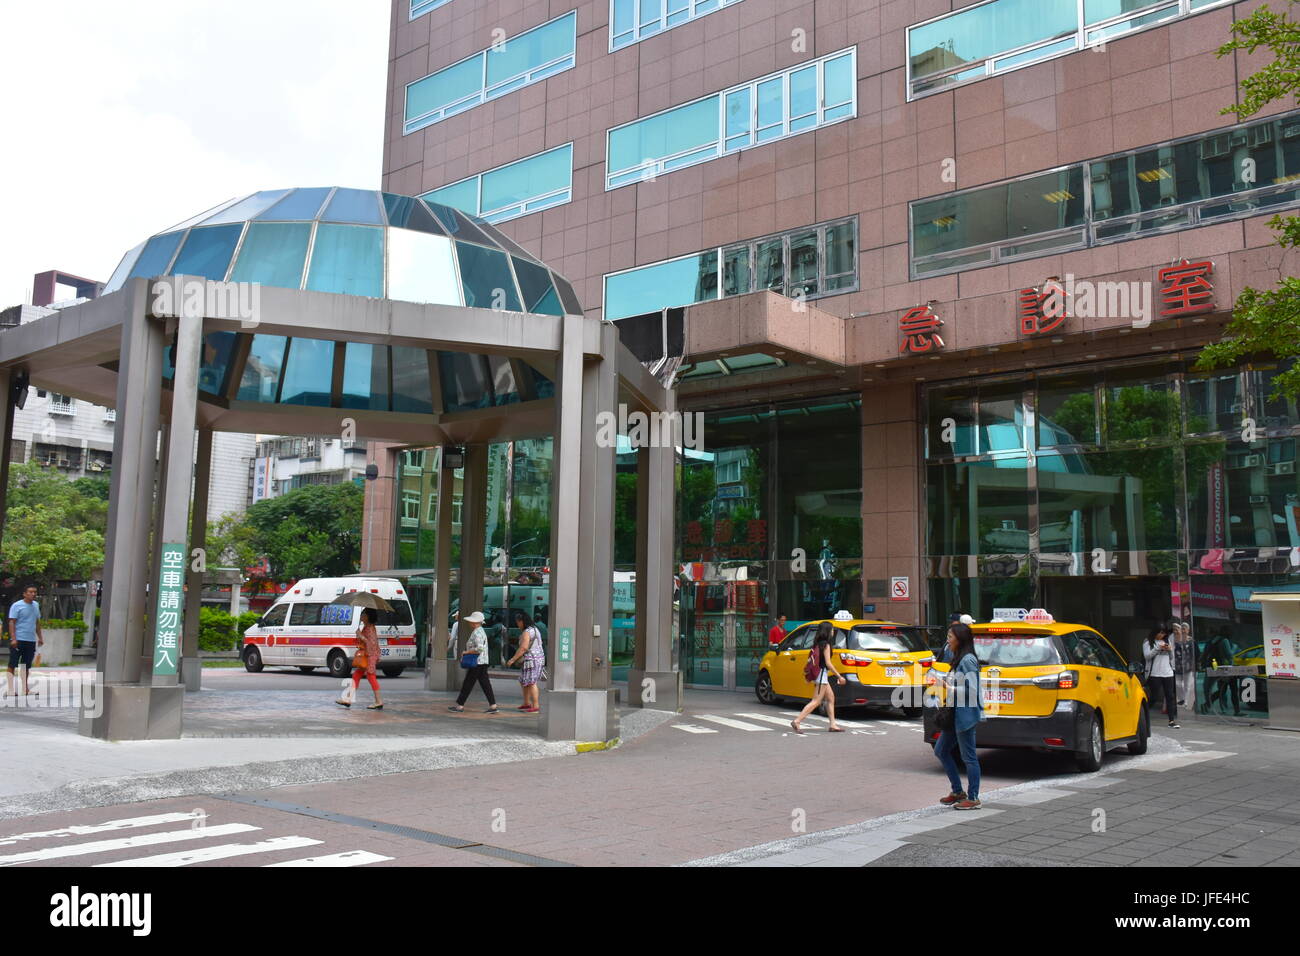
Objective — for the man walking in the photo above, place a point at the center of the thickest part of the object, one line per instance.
(25, 636)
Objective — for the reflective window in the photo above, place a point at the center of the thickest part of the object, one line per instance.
(261, 375)
(978, 507)
(634, 20)
(273, 254)
(354, 205)
(535, 284)
(420, 268)
(1067, 410)
(1119, 501)
(365, 377)
(950, 429)
(299, 204)
(738, 118)
(806, 262)
(1213, 402)
(247, 208)
(411, 390)
(523, 59)
(819, 485)
(514, 190)
(1243, 495)
(1141, 404)
(1270, 411)
(207, 252)
(465, 381)
(420, 7)
(309, 370)
(214, 360)
(409, 213)
(348, 260)
(486, 276)
(986, 38)
(157, 255)
(1230, 174)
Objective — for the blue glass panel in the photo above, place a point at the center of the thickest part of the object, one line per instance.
(354, 205)
(465, 382)
(458, 225)
(207, 251)
(157, 255)
(803, 91)
(438, 90)
(528, 178)
(261, 374)
(420, 7)
(535, 285)
(527, 51)
(463, 195)
(661, 286)
(987, 30)
(348, 260)
(838, 81)
(247, 208)
(214, 360)
(692, 126)
(123, 269)
(365, 377)
(407, 213)
(503, 241)
(308, 373)
(485, 276)
(274, 254)
(1094, 11)
(299, 204)
(411, 389)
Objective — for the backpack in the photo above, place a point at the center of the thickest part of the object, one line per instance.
(813, 667)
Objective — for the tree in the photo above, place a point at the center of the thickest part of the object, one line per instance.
(53, 530)
(313, 531)
(1266, 321)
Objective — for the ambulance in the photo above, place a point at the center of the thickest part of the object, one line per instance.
(306, 630)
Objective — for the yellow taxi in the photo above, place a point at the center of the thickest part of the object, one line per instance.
(1051, 686)
(883, 662)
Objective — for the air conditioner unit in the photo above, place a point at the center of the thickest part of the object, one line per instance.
(1252, 461)
(1291, 132)
(1284, 468)
(1260, 135)
(1259, 499)
(1215, 146)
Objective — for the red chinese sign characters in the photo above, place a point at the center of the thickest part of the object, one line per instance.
(920, 327)
(726, 534)
(1186, 289)
(1042, 309)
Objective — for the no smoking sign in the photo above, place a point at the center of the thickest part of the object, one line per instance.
(899, 589)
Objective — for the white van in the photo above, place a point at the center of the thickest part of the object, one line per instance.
(304, 629)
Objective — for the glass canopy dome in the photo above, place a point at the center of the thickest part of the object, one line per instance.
(355, 242)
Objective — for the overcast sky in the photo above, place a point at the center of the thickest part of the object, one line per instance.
(121, 119)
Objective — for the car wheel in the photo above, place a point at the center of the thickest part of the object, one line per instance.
(392, 671)
(253, 660)
(306, 670)
(1138, 747)
(338, 664)
(1089, 761)
(763, 689)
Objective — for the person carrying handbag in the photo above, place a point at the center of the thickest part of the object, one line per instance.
(475, 663)
(960, 714)
(364, 660)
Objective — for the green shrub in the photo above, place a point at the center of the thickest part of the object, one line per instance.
(76, 625)
(246, 620)
(217, 630)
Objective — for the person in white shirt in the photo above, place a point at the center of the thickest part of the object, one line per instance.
(476, 668)
(1159, 653)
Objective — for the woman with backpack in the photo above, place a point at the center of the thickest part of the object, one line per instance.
(820, 661)
(962, 711)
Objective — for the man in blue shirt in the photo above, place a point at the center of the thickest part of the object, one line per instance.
(25, 636)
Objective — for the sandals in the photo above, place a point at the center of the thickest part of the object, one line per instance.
(374, 707)
(795, 725)
(835, 730)
(456, 709)
(343, 703)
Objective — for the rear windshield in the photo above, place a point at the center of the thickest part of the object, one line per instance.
(865, 637)
(1016, 650)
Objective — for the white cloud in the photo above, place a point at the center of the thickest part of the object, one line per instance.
(122, 119)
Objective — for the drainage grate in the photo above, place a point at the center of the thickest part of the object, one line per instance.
(397, 829)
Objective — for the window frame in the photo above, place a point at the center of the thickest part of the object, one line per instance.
(635, 33)
(486, 93)
(1080, 41)
(649, 169)
(526, 207)
(419, 8)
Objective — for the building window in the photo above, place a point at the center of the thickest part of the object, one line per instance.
(518, 62)
(514, 190)
(420, 7)
(631, 21)
(784, 104)
(1000, 35)
(62, 404)
(805, 263)
(1242, 171)
(456, 504)
(410, 510)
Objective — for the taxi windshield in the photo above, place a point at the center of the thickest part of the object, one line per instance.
(872, 637)
(1016, 650)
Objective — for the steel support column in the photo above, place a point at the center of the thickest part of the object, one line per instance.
(441, 673)
(473, 531)
(191, 664)
(6, 439)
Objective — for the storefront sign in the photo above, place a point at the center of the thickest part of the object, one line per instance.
(168, 611)
(920, 327)
(1186, 288)
(1042, 309)
(1214, 485)
(1282, 643)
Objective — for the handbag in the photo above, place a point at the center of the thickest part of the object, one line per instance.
(946, 718)
(469, 661)
(361, 659)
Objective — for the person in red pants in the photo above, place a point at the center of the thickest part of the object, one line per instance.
(365, 659)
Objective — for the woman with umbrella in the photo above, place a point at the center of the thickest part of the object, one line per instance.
(367, 655)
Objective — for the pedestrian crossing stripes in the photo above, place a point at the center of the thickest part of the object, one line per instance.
(752, 722)
(132, 850)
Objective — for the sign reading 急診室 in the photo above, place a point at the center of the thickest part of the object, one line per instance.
(169, 610)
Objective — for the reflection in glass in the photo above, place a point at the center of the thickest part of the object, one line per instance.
(354, 205)
(299, 204)
(1214, 402)
(978, 508)
(214, 360)
(1243, 495)
(1001, 418)
(261, 375)
(411, 389)
(157, 254)
(1067, 410)
(535, 285)
(408, 213)
(348, 260)
(682, 281)
(248, 208)
(365, 376)
(465, 381)
(207, 252)
(1119, 501)
(273, 254)
(1140, 404)
(485, 275)
(988, 29)
(308, 373)
(950, 428)
(420, 268)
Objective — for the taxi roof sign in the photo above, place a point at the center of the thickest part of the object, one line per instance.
(1036, 615)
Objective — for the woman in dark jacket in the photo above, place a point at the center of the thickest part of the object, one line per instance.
(963, 696)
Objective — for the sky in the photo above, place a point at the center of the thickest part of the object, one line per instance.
(121, 119)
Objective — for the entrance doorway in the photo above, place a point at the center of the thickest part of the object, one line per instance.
(1123, 609)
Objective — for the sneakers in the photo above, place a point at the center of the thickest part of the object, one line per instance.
(953, 798)
(966, 805)
(532, 710)
(1175, 725)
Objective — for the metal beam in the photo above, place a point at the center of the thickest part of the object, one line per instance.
(191, 665)
(637, 382)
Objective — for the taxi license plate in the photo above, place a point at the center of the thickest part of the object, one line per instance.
(1000, 695)
(895, 671)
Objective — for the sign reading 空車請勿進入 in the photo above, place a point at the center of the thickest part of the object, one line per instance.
(169, 610)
